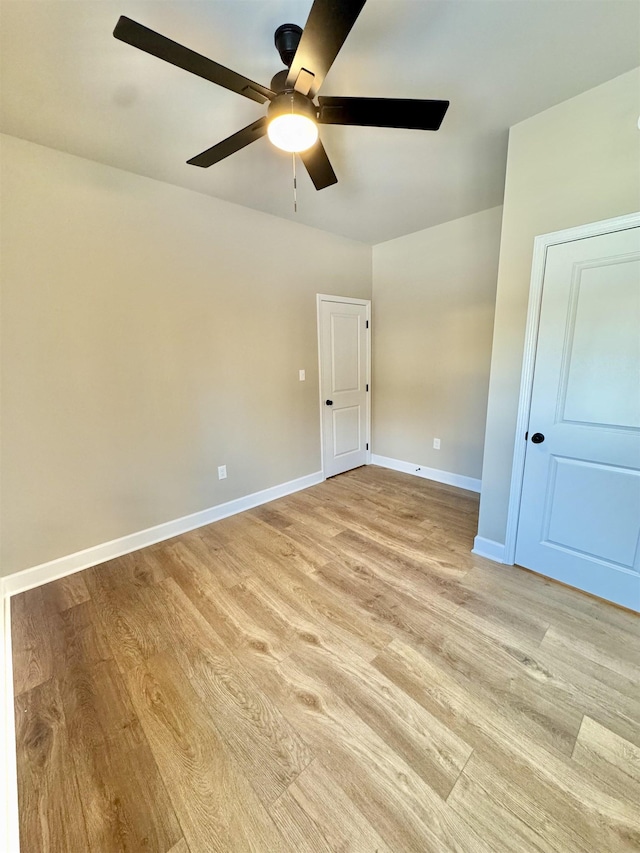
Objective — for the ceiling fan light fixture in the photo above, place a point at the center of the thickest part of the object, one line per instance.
(292, 132)
(292, 122)
(292, 116)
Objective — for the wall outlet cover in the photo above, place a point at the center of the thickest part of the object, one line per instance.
(436, 444)
(222, 472)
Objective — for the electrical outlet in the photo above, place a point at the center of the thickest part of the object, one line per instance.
(436, 444)
(301, 375)
(222, 472)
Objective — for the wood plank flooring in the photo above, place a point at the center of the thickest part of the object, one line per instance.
(334, 671)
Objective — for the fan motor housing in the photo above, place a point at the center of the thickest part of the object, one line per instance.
(292, 102)
(279, 81)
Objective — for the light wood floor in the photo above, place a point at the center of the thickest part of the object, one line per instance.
(331, 672)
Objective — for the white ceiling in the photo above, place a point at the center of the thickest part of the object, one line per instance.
(67, 83)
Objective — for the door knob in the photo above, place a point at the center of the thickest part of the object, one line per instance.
(537, 438)
(328, 402)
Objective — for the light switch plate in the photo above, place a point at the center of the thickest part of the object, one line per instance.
(301, 375)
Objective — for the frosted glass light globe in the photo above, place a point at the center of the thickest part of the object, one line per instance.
(292, 132)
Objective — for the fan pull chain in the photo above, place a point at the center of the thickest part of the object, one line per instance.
(295, 185)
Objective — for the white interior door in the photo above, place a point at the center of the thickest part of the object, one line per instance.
(344, 378)
(580, 509)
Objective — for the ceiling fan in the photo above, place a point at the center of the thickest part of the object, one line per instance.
(292, 115)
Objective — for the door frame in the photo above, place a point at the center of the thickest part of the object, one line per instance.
(324, 297)
(541, 244)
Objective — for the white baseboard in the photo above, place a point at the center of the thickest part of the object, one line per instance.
(488, 548)
(9, 836)
(462, 482)
(63, 566)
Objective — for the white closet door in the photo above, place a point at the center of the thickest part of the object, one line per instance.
(580, 509)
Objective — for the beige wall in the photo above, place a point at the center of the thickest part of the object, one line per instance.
(149, 335)
(575, 163)
(433, 310)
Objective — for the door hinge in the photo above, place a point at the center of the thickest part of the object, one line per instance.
(367, 326)
(367, 388)
(526, 435)
(367, 445)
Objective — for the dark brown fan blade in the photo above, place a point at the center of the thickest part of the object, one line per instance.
(152, 42)
(383, 112)
(327, 27)
(318, 166)
(230, 145)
